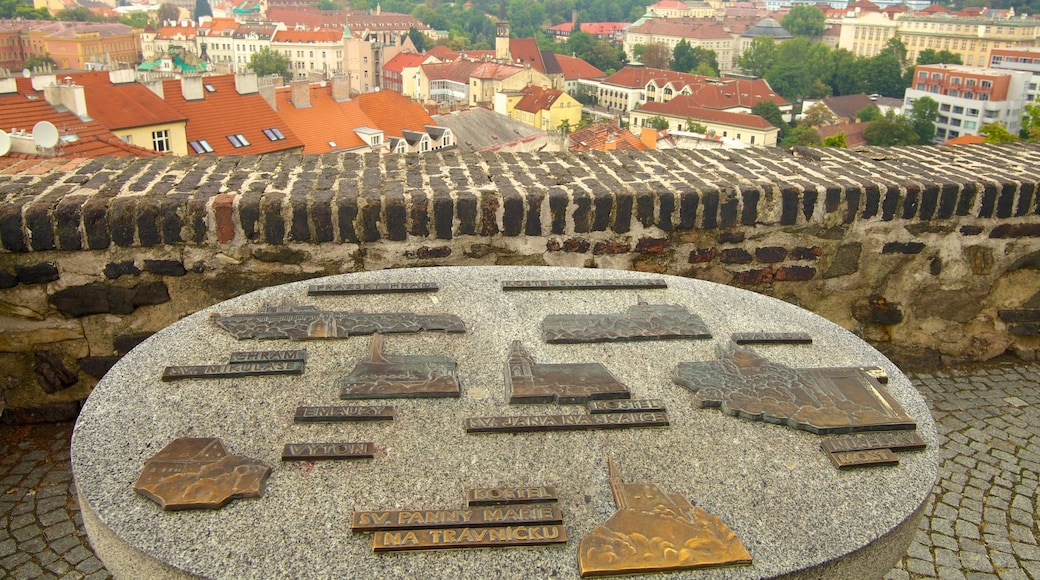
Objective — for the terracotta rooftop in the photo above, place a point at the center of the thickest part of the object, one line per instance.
(326, 125)
(457, 71)
(604, 136)
(684, 106)
(175, 32)
(847, 106)
(405, 60)
(965, 140)
(308, 36)
(446, 54)
(854, 132)
(125, 105)
(725, 93)
(393, 112)
(525, 51)
(682, 27)
(494, 71)
(576, 68)
(223, 114)
(538, 99)
(593, 28)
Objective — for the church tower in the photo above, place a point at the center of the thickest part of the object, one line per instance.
(502, 40)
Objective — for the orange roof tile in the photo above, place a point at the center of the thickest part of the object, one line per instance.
(123, 106)
(457, 71)
(326, 125)
(393, 112)
(308, 36)
(576, 68)
(537, 99)
(495, 70)
(175, 32)
(405, 60)
(604, 136)
(684, 106)
(224, 112)
(724, 93)
(965, 140)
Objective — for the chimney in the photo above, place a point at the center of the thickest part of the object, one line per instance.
(43, 77)
(68, 95)
(300, 96)
(266, 88)
(649, 137)
(191, 87)
(8, 85)
(574, 17)
(245, 83)
(122, 76)
(155, 85)
(340, 88)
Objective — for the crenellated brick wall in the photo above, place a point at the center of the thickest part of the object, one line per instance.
(930, 253)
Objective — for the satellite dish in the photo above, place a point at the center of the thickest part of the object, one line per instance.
(45, 134)
(5, 143)
(26, 73)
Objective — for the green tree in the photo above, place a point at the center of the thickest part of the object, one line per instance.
(799, 64)
(996, 133)
(683, 59)
(136, 20)
(79, 14)
(202, 8)
(418, 39)
(868, 113)
(932, 56)
(758, 59)
(922, 116)
(848, 73)
(817, 115)
(606, 57)
(1031, 121)
(892, 129)
(657, 122)
(801, 135)
(656, 55)
(885, 75)
(695, 127)
(804, 20)
(269, 62)
(36, 60)
(771, 112)
(579, 44)
(24, 10)
(565, 126)
(835, 141)
(167, 13)
(328, 5)
(705, 69)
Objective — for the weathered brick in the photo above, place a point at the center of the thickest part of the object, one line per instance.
(1006, 199)
(966, 200)
(95, 222)
(11, 228)
(67, 214)
(731, 237)
(809, 198)
(710, 200)
(271, 216)
(1025, 198)
(76, 301)
(988, 202)
(876, 309)
(806, 253)
(396, 213)
(929, 201)
(224, 216)
(871, 201)
(249, 214)
(755, 276)
(611, 248)
(425, 253)
(114, 270)
(970, 230)
(467, 213)
(578, 245)
(688, 202)
(582, 215)
(371, 215)
(728, 212)
(533, 223)
(651, 245)
(735, 256)
(121, 221)
(947, 200)
(702, 255)
(418, 214)
(890, 203)
(165, 267)
(443, 215)
(749, 211)
(299, 223)
(902, 248)
(7, 279)
(770, 254)
(558, 210)
(38, 220)
(625, 201)
(644, 205)
(37, 273)
(512, 214)
(553, 245)
(346, 214)
(666, 211)
(794, 273)
(172, 223)
(788, 206)
(832, 199)
(602, 205)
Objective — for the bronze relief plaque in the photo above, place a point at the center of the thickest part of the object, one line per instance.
(640, 322)
(653, 283)
(268, 356)
(337, 414)
(199, 473)
(480, 496)
(567, 383)
(529, 423)
(319, 451)
(863, 458)
(819, 400)
(771, 338)
(309, 323)
(655, 531)
(402, 376)
(469, 538)
(625, 406)
(243, 369)
(894, 440)
(463, 518)
(372, 288)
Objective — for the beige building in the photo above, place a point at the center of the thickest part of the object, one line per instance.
(751, 130)
(311, 51)
(704, 33)
(543, 109)
(488, 78)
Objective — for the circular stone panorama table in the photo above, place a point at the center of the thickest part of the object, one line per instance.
(796, 513)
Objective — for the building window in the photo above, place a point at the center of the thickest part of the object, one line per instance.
(986, 84)
(274, 134)
(238, 140)
(200, 146)
(161, 140)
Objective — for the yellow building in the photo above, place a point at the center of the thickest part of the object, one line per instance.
(488, 78)
(540, 108)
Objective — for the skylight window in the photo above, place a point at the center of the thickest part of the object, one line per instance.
(201, 146)
(238, 140)
(274, 134)
(210, 88)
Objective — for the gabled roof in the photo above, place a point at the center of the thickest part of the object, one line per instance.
(308, 36)
(525, 51)
(593, 28)
(683, 106)
(218, 27)
(965, 140)
(393, 112)
(682, 28)
(446, 54)
(604, 136)
(22, 110)
(864, 6)
(224, 112)
(125, 105)
(576, 68)
(538, 99)
(854, 132)
(734, 93)
(479, 129)
(457, 71)
(176, 33)
(846, 107)
(326, 125)
(494, 71)
(405, 60)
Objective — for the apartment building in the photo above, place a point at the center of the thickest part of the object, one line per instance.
(970, 97)
(311, 51)
(1022, 59)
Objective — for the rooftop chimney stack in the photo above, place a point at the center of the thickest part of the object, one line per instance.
(340, 88)
(68, 95)
(246, 83)
(191, 87)
(301, 94)
(266, 88)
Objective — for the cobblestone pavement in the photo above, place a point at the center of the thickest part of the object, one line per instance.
(982, 522)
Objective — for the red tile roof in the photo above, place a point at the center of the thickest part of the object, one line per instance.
(125, 105)
(965, 140)
(576, 68)
(405, 60)
(308, 36)
(175, 33)
(854, 132)
(537, 99)
(604, 136)
(725, 93)
(224, 112)
(696, 28)
(446, 54)
(593, 28)
(324, 121)
(393, 112)
(495, 71)
(458, 70)
(684, 106)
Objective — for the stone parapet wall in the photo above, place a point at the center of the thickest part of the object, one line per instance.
(930, 253)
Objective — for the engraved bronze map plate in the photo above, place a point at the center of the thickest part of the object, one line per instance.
(462, 518)
(625, 406)
(244, 369)
(819, 400)
(339, 414)
(640, 322)
(403, 376)
(469, 538)
(566, 383)
(309, 323)
(771, 338)
(321, 451)
(653, 283)
(863, 458)
(199, 473)
(528, 423)
(373, 288)
(268, 356)
(654, 531)
(481, 496)
(894, 440)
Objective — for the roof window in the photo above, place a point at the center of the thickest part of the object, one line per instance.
(209, 88)
(201, 146)
(238, 140)
(274, 134)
